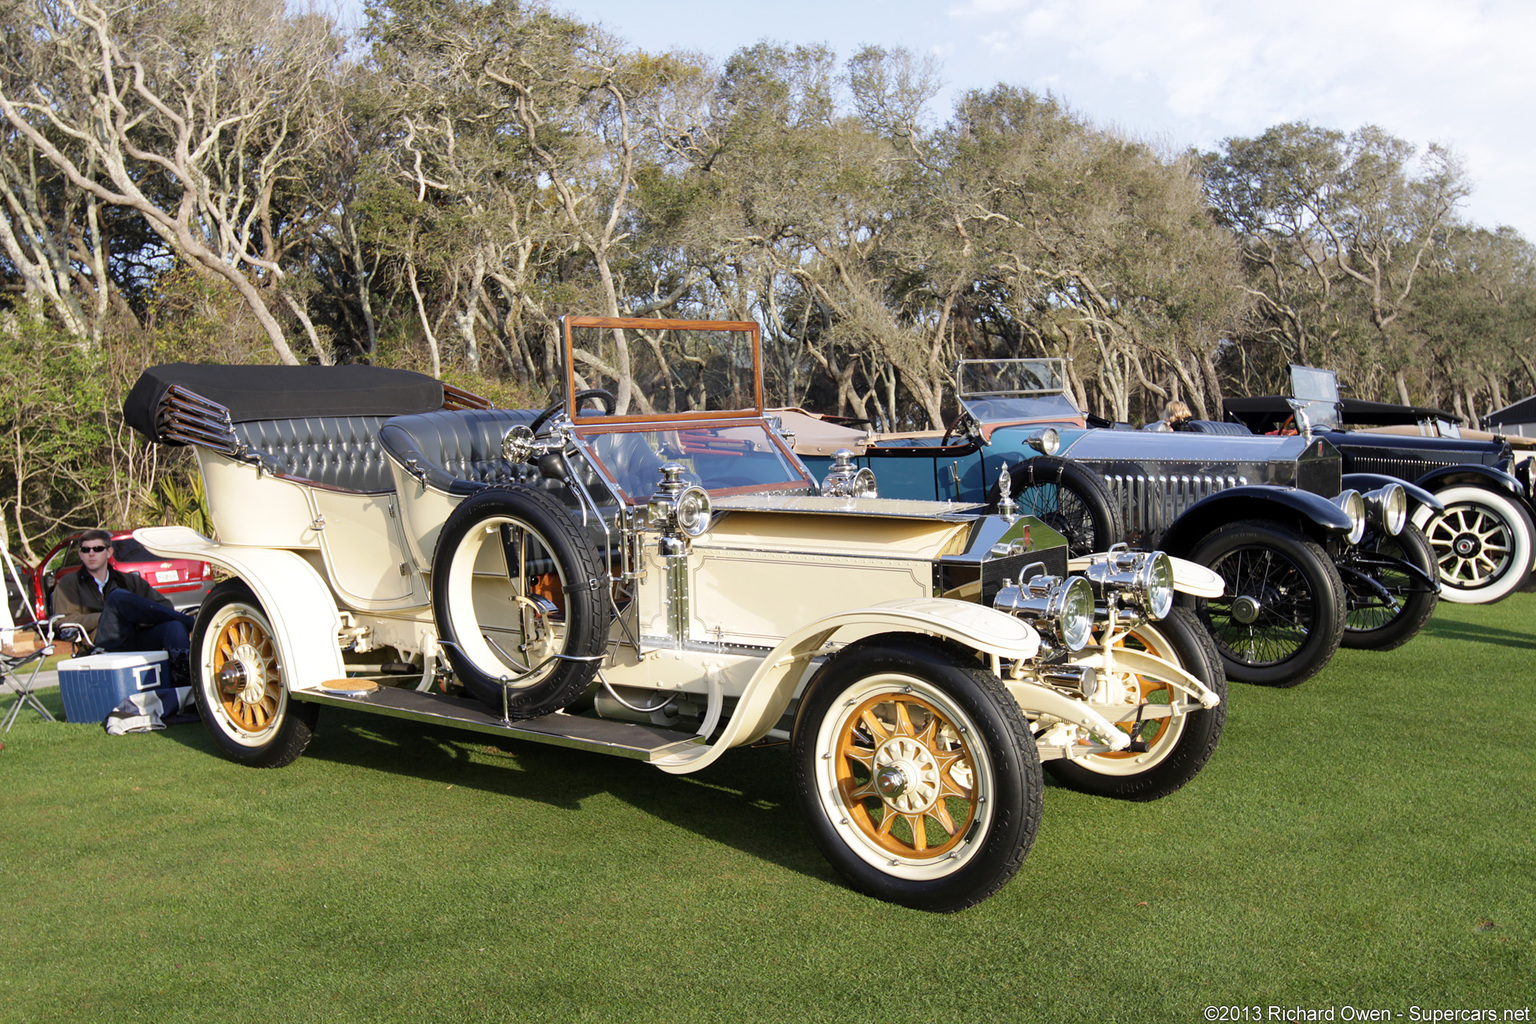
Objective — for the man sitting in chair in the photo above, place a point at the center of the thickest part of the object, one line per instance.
(119, 610)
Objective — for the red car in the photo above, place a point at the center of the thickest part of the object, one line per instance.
(184, 581)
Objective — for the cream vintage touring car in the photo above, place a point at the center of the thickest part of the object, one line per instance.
(646, 569)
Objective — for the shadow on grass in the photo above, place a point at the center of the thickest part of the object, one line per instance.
(1448, 629)
(744, 801)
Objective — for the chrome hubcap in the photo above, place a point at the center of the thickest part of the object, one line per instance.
(907, 775)
(243, 673)
(891, 781)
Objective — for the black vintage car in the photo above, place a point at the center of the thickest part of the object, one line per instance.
(1484, 539)
(1310, 558)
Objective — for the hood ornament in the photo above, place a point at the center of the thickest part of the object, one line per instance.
(1006, 506)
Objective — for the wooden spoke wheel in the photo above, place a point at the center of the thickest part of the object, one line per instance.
(246, 673)
(916, 772)
(1177, 734)
(904, 773)
(239, 683)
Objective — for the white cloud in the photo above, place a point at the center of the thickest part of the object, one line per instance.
(1452, 71)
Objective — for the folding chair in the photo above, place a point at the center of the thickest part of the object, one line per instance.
(24, 689)
(26, 694)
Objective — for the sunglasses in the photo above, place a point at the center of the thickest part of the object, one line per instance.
(94, 549)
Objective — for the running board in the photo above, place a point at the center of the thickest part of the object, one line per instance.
(605, 736)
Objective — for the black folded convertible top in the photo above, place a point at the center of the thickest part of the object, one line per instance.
(284, 392)
(1268, 412)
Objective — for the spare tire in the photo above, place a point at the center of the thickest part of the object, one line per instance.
(518, 594)
(1069, 498)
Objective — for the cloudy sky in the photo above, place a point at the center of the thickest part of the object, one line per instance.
(1190, 72)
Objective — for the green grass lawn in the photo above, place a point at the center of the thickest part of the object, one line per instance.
(1362, 841)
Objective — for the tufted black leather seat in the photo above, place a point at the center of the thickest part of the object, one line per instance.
(335, 451)
(457, 451)
(1214, 427)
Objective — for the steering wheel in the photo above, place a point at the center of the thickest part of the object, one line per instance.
(960, 425)
(605, 397)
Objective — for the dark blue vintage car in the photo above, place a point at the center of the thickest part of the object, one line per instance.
(1483, 539)
(1311, 558)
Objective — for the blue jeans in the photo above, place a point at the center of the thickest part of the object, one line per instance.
(133, 623)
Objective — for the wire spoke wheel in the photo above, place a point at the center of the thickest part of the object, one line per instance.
(1281, 615)
(1377, 623)
(1064, 511)
(1067, 497)
(506, 592)
(1270, 617)
(518, 596)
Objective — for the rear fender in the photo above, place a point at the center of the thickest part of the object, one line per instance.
(1312, 514)
(766, 695)
(298, 604)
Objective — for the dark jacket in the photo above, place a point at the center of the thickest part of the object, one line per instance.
(75, 595)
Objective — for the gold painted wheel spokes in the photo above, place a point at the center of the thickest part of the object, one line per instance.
(905, 775)
(246, 676)
(1160, 734)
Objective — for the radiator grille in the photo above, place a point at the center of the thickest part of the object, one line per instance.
(965, 580)
(1150, 503)
(1323, 476)
(1403, 469)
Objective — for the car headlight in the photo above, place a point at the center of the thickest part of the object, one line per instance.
(1061, 609)
(1159, 585)
(677, 505)
(844, 480)
(692, 511)
(1046, 442)
(1354, 506)
(1139, 579)
(1387, 507)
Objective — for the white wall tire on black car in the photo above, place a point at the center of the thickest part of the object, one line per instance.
(1483, 543)
(238, 679)
(916, 773)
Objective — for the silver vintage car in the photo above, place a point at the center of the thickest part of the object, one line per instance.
(646, 569)
(1311, 558)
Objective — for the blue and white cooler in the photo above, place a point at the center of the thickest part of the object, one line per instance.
(92, 687)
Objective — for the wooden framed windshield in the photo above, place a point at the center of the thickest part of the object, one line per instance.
(662, 370)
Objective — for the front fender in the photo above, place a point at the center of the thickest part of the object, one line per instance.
(782, 672)
(1190, 578)
(1315, 514)
(1477, 476)
(297, 601)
